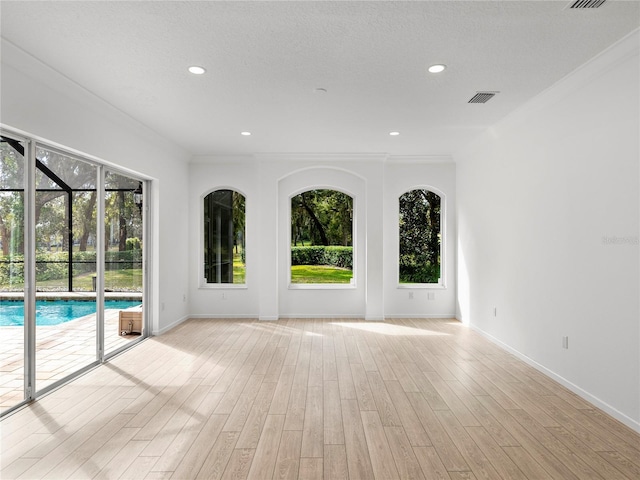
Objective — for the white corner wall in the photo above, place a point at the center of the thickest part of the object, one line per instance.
(268, 182)
(548, 225)
(42, 103)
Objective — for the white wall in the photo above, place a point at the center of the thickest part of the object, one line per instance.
(401, 175)
(42, 103)
(541, 197)
(268, 182)
(240, 174)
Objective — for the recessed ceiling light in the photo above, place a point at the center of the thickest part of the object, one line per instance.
(437, 68)
(246, 134)
(394, 134)
(196, 70)
(320, 90)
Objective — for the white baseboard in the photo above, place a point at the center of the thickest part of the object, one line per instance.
(628, 421)
(327, 315)
(170, 326)
(244, 316)
(429, 315)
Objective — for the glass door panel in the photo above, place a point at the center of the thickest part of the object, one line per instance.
(12, 339)
(123, 266)
(65, 218)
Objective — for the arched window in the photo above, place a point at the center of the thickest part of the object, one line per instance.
(224, 237)
(420, 237)
(321, 237)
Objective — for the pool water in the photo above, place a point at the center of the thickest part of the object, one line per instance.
(55, 312)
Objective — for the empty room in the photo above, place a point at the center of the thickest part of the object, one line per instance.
(320, 239)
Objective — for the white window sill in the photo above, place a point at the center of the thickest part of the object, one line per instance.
(223, 286)
(322, 286)
(424, 286)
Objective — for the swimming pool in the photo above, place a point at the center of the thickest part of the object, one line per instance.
(54, 312)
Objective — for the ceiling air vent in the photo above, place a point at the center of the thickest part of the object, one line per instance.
(482, 97)
(587, 4)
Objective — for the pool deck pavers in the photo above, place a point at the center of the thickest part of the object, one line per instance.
(60, 350)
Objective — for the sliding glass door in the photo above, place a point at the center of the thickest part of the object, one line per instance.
(72, 266)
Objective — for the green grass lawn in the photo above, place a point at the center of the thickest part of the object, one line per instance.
(320, 274)
(239, 269)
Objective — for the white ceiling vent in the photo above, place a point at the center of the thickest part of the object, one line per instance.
(587, 4)
(482, 97)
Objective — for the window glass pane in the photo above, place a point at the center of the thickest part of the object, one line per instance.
(11, 164)
(11, 273)
(59, 171)
(123, 269)
(420, 237)
(321, 237)
(224, 237)
(123, 229)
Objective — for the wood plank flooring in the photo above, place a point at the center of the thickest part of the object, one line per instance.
(316, 399)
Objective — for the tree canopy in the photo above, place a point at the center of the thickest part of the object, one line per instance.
(322, 217)
(54, 203)
(419, 237)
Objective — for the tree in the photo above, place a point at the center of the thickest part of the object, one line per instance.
(123, 213)
(122, 223)
(84, 215)
(11, 200)
(306, 200)
(419, 237)
(11, 223)
(322, 217)
(238, 219)
(51, 222)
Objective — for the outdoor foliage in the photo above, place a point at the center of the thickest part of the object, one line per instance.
(319, 255)
(224, 236)
(11, 202)
(322, 217)
(123, 219)
(65, 218)
(133, 244)
(420, 237)
(321, 237)
(54, 266)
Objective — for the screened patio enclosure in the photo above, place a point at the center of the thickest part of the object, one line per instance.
(65, 214)
(72, 265)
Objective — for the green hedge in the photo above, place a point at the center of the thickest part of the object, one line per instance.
(426, 273)
(319, 255)
(53, 265)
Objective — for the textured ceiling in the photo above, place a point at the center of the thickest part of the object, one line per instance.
(265, 59)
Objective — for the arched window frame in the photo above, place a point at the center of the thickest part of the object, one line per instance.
(201, 259)
(441, 284)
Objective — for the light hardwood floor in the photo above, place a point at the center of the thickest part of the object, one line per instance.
(312, 399)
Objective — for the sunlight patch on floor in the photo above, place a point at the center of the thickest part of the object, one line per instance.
(389, 329)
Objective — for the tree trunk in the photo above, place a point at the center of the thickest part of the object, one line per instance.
(5, 237)
(122, 242)
(66, 233)
(87, 216)
(316, 222)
